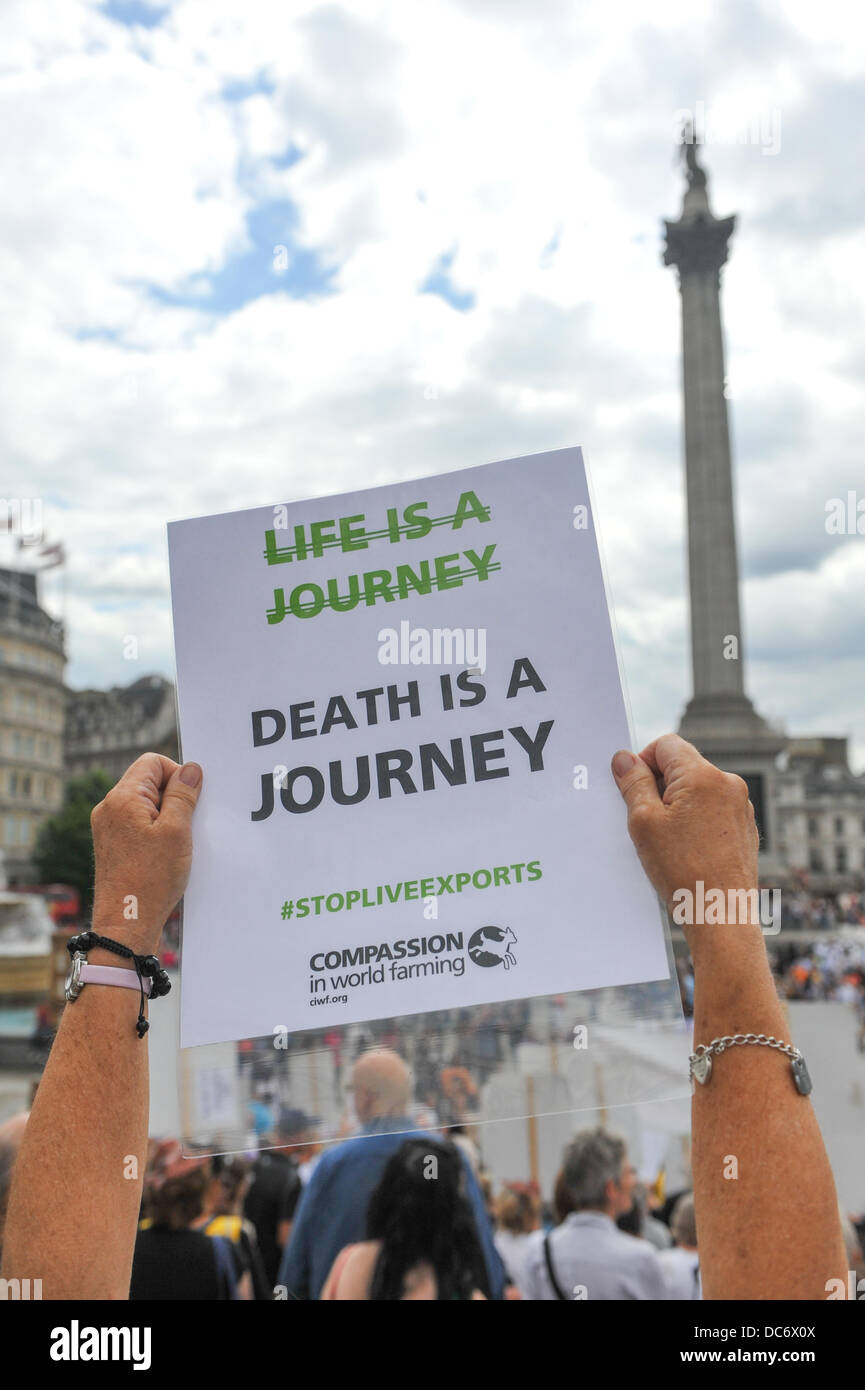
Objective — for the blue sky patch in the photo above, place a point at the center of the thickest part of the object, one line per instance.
(273, 264)
(135, 13)
(95, 335)
(243, 87)
(439, 282)
(549, 251)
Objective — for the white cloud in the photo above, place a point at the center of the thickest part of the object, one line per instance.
(535, 142)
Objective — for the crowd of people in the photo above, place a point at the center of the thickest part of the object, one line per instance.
(833, 970)
(831, 967)
(393, 1213)
(451, 1053)
(396, 1212)
(805, 911)
(414, 1216)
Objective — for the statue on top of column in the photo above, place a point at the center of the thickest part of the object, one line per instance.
(688, 145)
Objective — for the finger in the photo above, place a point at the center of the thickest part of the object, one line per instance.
(148, 775)
(671, 757)
(180, 797)
(636, 781)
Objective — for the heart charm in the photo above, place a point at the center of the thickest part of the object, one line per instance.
(701, 1068)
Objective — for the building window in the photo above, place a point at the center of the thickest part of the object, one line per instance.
(815, 862)
(17, 830)
(841, 859)
(813, 830)
(26, 784)
(839, 825)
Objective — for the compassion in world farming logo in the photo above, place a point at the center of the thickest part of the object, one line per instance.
(492, 946)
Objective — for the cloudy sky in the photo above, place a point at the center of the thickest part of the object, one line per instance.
(255, 251)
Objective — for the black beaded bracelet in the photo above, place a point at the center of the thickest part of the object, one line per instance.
(148, 966)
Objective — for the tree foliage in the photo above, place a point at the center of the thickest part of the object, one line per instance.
(64, 844)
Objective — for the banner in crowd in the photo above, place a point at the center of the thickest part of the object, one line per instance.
(405, 701)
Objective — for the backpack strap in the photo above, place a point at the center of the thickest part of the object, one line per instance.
(225, 1267)
(548, 1256)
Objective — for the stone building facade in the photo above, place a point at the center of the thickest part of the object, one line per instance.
(32, 705)
(109, 729)
(820, 808)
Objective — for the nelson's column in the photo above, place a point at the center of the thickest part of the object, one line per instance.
(719, 718)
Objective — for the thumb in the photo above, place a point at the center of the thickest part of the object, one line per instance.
(180, 797)
(636, 781)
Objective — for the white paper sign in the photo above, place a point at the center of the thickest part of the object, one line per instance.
(405, 701)
(216, 1098)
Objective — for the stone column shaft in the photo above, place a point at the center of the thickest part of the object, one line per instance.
(712, 558)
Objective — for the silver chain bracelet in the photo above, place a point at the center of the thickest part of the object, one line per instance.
(700, 1062)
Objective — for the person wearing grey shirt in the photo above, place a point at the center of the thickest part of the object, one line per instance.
(681, 1266)
(587, 1256)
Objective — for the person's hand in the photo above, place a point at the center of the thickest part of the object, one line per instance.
(142, 843)
(688, 820)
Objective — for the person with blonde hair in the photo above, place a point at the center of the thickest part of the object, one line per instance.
(518, 1216)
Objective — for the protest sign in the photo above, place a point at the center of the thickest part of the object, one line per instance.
(405, 701)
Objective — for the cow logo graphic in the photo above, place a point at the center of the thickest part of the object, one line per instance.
(492, 946)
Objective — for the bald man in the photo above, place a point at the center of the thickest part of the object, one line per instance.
(332, 1210)
(381, 1085)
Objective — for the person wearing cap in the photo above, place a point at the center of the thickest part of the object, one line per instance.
(276, 1186)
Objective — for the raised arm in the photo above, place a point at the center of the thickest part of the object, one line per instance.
(767, 1223)
(76, 1193)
